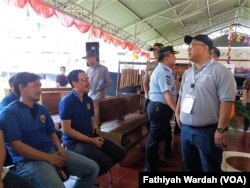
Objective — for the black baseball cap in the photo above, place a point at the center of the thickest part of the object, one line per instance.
(89, 53)
(167, 49)
(203, 38)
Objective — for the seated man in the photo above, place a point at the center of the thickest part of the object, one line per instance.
(8, 178)
(76, 111)
(9, 97)
(33, 144)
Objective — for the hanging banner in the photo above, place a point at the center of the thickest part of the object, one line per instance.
(244, 39)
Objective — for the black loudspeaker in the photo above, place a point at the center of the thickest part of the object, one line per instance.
(93, 46)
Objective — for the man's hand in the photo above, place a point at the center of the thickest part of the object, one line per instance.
(56, 160)
(61, 152)
(220, 139)
(98, 141)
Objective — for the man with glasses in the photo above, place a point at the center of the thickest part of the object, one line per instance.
(80, 130)
(33, 145)
(98, 76)
(203, 110)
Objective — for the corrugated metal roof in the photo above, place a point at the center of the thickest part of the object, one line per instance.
(166, 21)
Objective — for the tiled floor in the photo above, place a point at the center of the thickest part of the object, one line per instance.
(236, 158)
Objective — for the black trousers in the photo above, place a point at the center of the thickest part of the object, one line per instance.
(159, 116)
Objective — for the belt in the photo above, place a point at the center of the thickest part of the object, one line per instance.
(159, 103)
(202, 127)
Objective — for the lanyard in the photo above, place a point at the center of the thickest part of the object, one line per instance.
(194, 79)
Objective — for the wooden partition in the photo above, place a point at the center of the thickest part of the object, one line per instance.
(51, 97)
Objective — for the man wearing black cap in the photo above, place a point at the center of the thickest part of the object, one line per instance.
(203, 110)
(162, 95)
(98, 76)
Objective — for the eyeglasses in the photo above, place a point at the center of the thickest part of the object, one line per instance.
(84, 79)
(194, 44)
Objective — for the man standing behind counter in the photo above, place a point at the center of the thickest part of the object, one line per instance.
(98, 76)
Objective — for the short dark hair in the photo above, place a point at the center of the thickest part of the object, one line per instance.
(62, 67)
(73, 76)
(11, 79)
(216, 51)
(23, 78)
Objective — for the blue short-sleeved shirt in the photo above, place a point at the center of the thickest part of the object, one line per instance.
(80, 114)
(162, 80)
(7, 100)
(32, 127)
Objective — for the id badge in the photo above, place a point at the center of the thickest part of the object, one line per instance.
(187, 104)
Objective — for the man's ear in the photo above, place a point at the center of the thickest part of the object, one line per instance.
(21, 88)
(74, 83)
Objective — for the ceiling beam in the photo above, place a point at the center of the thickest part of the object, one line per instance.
(195, 23)
(139, 18)
(152, 17)
(197, 11)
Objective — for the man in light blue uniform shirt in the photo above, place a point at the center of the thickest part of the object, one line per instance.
(162, 95)
(207, 93)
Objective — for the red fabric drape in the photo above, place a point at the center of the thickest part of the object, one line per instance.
(124, 44)
(136, 49)
(18, 3)
(116, 41)
(66, 20)
(41, 9)
(46, 11)
(81, 26)
(97, 33)
(130, 46)
(106, 37)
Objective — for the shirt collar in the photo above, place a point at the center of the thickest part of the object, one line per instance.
(167, 68)
(202, 67)
(77, 96)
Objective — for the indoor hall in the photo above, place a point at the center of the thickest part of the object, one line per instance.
(122, 34)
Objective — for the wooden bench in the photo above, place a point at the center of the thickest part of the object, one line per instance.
(119, 119)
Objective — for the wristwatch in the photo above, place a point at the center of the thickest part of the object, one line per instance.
(221, 130)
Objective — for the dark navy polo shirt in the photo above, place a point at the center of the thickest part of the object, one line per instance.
(31, 126)
(80, 114)
(7, 100)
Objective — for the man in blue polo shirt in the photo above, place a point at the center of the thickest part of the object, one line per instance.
(76, 111)
(33, 144)
(9, 97)
(8, 178)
